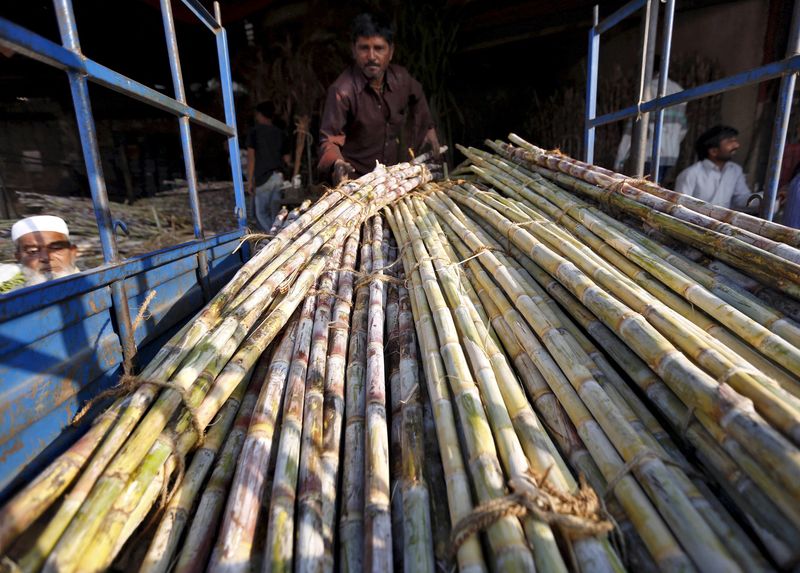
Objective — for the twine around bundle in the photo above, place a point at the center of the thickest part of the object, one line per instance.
(640, 458)
(576, 515)
(129, 382)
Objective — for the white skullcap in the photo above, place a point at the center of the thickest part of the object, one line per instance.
(40, 223)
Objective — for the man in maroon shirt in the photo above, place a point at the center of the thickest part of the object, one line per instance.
(369, 107)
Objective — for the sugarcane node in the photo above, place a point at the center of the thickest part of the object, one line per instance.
(577, 516)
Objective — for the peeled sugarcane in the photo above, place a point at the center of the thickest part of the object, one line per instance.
(377, 513)
(279, 548)
(309, 540)
(245, 492)
(351, 525)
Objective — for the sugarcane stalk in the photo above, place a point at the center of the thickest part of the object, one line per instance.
(279, 548)
(782, 411)
(416, 516)
(748, 222)
(459, 495)
(92, 512)
(671, 502)
(32, 501)
(164, 544)
(393, 369)
(506, 536)
(689, 383)
(709, 451)
(352, 519)
(334, 405)
(310, 544)
(497, 385)
(377, 511)
(247, 472)
(657, 204)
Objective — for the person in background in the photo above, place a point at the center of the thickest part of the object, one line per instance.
(267, 152)
(715, 178)
(43, 252)
(368, 107)
(673, 130)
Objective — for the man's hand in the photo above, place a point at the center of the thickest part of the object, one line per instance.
(432, 141)
(342, 171)
(249, 189)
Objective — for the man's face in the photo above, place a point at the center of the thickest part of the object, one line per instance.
(726, 150)
(372, 55)
(48, 253)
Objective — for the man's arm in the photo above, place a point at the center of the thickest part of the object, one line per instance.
(741, 193)
(331, 131)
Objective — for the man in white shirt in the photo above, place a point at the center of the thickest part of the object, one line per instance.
(715, 178)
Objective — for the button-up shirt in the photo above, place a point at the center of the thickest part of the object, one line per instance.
(725, 187)
(363, 125)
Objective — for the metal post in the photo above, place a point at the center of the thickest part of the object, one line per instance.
(186, 143)
(663, 77)
(230, 119)
(639, 135)
(591, 86)
(94, 170)
(781, 127)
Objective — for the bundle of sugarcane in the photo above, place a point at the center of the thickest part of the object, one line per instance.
(565, 287)
(101, 490)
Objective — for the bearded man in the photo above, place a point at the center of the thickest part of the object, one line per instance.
(43, 252)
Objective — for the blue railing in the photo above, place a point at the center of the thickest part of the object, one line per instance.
(785, 69)
(80, 71)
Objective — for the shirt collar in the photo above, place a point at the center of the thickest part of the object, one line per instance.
(360, 81)
(709, 165)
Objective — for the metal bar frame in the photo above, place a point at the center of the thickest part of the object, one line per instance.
(80, 71)
(663, 77)
(785, 69)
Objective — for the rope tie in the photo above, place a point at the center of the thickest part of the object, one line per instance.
(125, 383)
(367, 278)
(576, 515)
(637, 460)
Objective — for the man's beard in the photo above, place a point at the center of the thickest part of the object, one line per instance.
(33, 277)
